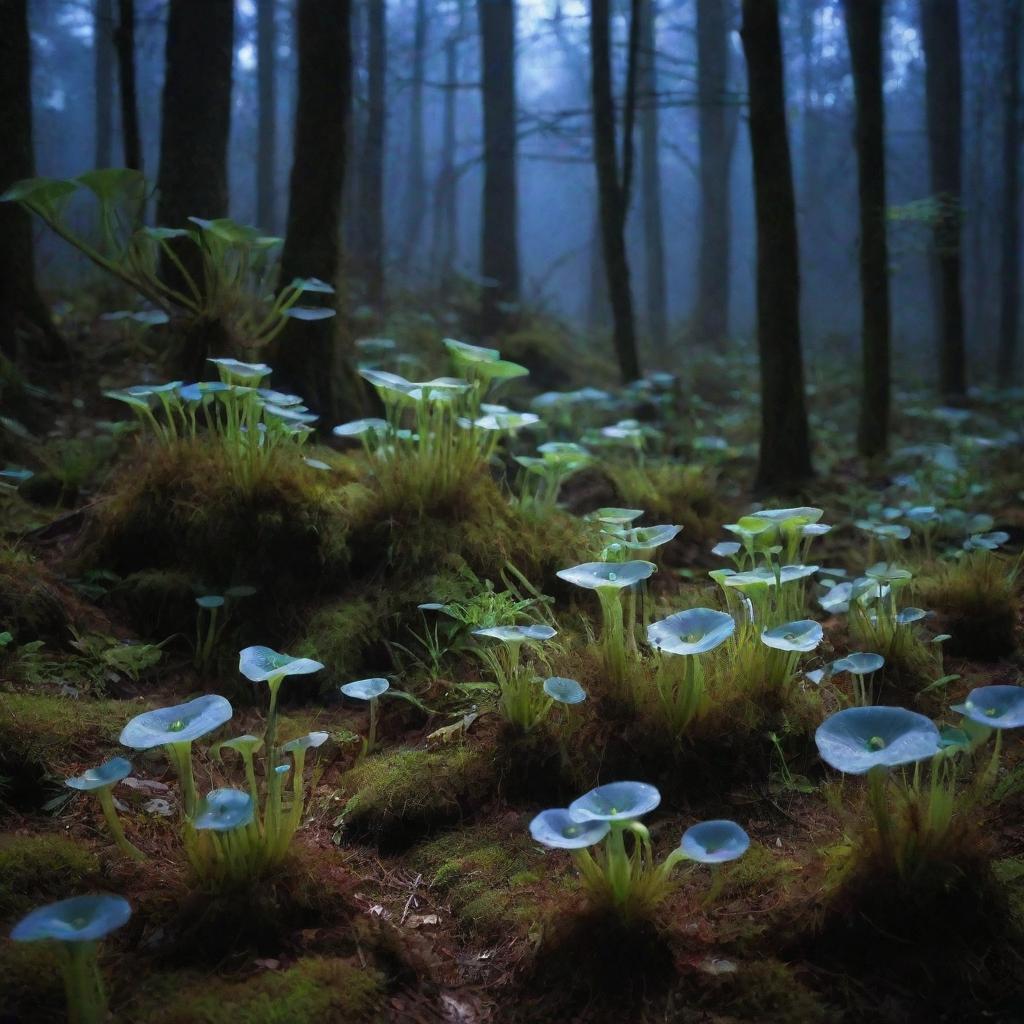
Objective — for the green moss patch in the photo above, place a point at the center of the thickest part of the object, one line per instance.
(41, 869)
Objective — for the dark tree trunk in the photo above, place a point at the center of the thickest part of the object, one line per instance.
(103, 71)
(650, 188)
(785, 457)
(613, 181)
(371, 211)
(1009, 292)
(196, 119)
(416, 180)
(124, 40)
(446, 217)
(715, 139)
(499, 244)
(940, 31)
(309, 360)
(266, 58)
(20, 303)
(864, 31)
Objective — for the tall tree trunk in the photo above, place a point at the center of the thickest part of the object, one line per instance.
(266, 58)
(650, 187)
(785, 456)
(715, 140)
(499, 243)
(196, 119)
(446, 217)
(940, 31)
(103, 78)
(124, 40)
(613, 181)
(308, 359)
(416, 180)
(371, 212)
(864, 31)
(20, 302)
(1009, 291)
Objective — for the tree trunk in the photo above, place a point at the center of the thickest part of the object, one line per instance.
(124, 40)
(20, 302)
(499, 248)
(785, 457)
(940, 35)
(371, 212)
(1009, 293)
(266, 58)
(864, 19)
(446, 217)
(308, 359)
(650, 147)
(196, 119)
(715, 140)
(416, 180)
(613, 184)
(103, 77)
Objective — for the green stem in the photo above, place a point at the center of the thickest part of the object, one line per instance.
(106, 800)
(82, 984)
(180, 755)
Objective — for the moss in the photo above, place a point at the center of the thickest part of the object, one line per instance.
(318, 989)
(30, 601)
(485, 875)
(31, 986)
(766, 991)
(396, 798)
(156, 601)
(339, 634)
(40, 736)
(41, 869)
(759, 869)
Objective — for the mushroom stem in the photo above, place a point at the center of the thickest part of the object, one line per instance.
(371, 739)
(82, 983)
(180, 755)
(106, 800)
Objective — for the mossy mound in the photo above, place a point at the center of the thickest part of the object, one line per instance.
(32, 606)
(489, 876)
(42, 736)
(41, 869)
(31, 987)
(326, 990)
(397, 798)
(765, 991)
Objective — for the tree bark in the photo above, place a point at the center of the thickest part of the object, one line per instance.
(715, 140)
(416, 180)
(124, 40)
(864, 19)
(499, 243)
(103, 78)
(196, 119)
(371, 212)
(266, 157)
(20, 302)
(308, 359)
(1009, 292)
(613, 182)
(446, 218)
(785, 456)
(940, 35)
(650, 191)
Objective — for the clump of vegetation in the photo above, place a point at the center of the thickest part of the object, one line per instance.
(40, 868)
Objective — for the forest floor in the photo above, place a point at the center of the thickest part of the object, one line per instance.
(413, 891)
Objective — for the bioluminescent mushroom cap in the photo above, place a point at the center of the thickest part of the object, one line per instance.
(616, 516)
(766, 577)
(837, 599)
(357, 428)
(391, 384)
(726, 548)
(307, 742)
(694, 631)
(855, 740)
(608, 575)
(195, 392)
(506, 421)
(259, 664)
(887, 531)
(565, 691)
(860, 663)
(887, 572)
(210, 601)
(715, 842)
(181, 723)
(559, 830)
(516, 634)
(802, 635)
(79, 919)
(222, 810)
(803, 515)
(998, 707)
(616, 801)
(563, 451)
(905, 616)
(247, 744)
(107, 774)
(986, 541)
(242, 373)
(366, 689)
(462, 352)
(646, 537)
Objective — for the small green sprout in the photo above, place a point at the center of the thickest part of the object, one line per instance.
(101, 781)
